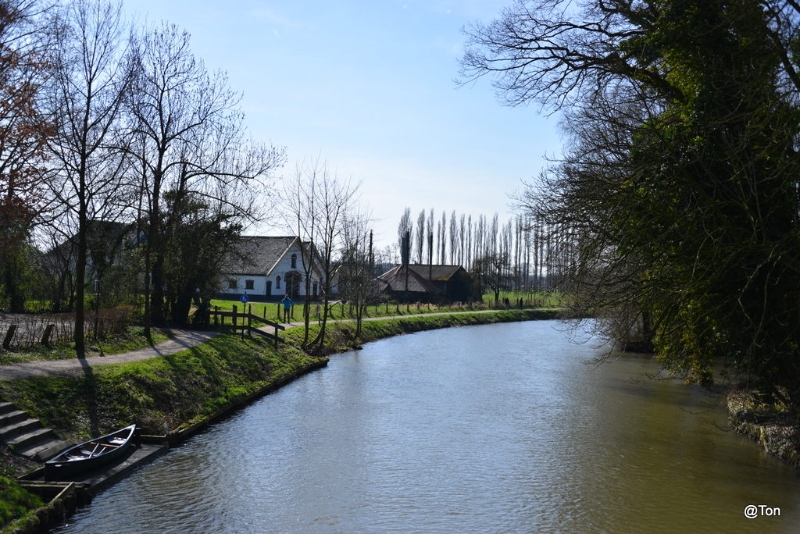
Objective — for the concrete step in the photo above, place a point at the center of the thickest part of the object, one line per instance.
(19, 428)
(6, 407)
(26, 436)
(24, 440)
(10, 418)
(43, 449)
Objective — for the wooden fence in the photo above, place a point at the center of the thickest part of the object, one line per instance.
(24, 330)
(244, 322)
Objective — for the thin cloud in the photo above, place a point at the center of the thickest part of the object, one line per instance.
(272, 17)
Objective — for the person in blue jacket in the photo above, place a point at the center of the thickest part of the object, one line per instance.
(287, 308)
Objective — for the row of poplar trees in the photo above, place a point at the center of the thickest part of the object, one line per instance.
(679, 184)
(105, 120)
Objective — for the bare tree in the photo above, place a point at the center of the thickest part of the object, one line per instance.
(334, 199)
(357, 278)
(468, 259)
(453, 237)
(89, 79)
(462, 239)
(479, 240)
(190, 143)
(443, 238)
(420, 238)
(429, 229)
(299, 210)
(406, 227)
(320, 203)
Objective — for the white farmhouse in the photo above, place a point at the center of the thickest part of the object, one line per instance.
(267, 268)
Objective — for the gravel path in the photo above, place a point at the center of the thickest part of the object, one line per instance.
(181, 340)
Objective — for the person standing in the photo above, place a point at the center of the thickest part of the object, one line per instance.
(287, 308)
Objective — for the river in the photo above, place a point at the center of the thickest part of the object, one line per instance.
(497, 428)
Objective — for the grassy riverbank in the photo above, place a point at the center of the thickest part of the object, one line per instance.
(179, 391)
(341, 335)
(186, 389)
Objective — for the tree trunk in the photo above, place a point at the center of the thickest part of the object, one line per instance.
(80, 288)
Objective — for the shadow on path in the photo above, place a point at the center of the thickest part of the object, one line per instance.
(182, 340)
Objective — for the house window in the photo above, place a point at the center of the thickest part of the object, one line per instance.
(294, 261)
(232, 283)
(278, 283)
(248, 284)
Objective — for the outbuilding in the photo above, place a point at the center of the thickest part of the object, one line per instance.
(428, 283)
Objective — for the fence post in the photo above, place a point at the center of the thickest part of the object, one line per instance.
(9, 336)
(46, 336)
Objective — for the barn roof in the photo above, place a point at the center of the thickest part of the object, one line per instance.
(440, 273)
(395, 279)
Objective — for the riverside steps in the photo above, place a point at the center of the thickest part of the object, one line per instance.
(27, 436)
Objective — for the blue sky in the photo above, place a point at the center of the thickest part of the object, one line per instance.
(368, 87)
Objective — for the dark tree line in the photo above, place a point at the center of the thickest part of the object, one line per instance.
(678, 191)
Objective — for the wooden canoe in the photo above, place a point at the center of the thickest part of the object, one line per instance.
(89, 455)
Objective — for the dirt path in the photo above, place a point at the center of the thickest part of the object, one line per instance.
(181, 340)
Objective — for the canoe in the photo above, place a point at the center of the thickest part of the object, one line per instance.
(89, 455)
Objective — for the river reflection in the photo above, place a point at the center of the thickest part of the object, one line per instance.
(501, 428)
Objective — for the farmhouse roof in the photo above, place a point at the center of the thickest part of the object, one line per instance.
(258, 255)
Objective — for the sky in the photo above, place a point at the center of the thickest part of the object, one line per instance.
(368, 87)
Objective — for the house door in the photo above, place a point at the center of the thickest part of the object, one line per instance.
(293, 279)
(269, 288)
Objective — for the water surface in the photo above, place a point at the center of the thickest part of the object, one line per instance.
(499, 428)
